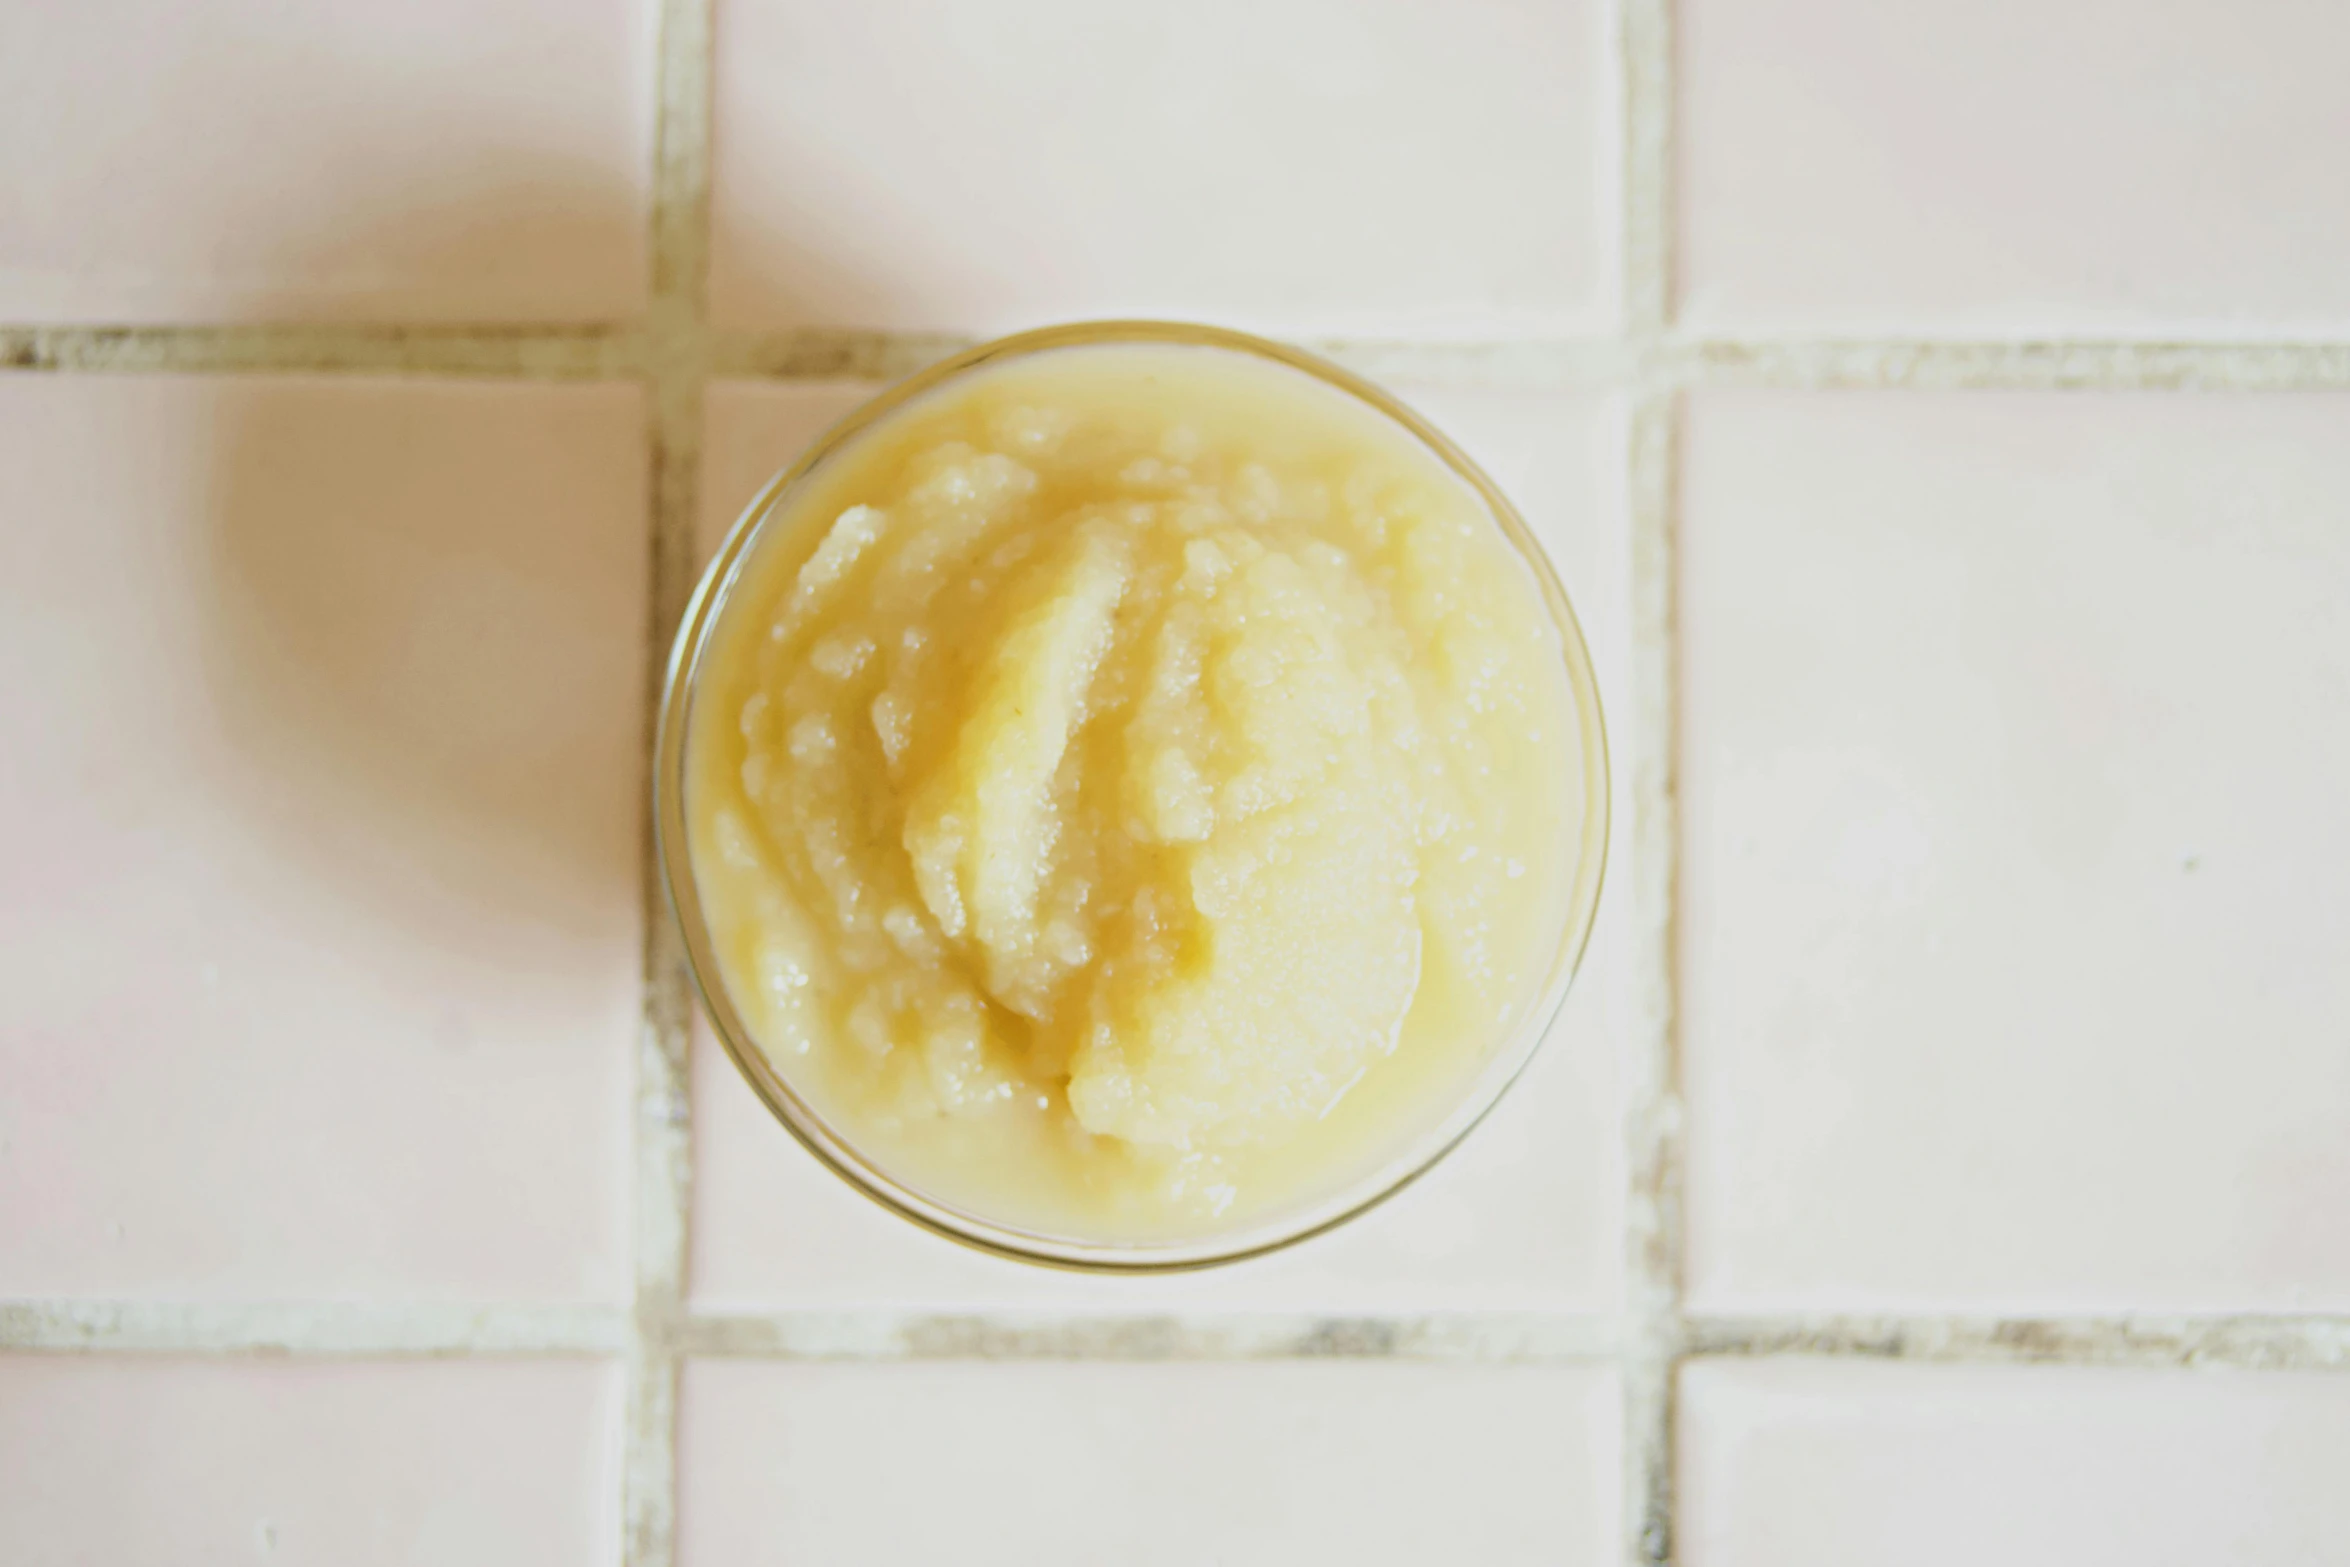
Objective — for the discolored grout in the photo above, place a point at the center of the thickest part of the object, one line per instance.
(2258, 1343)
(1551, 365)
(522, 353)
(667, 345)
(829, 354)
(1649, 735)
(676, 356)
(1653, 1103)
(285, 1329)
(1811, 365)
(1652, 1125)
(1501, 365)
(1466, 1337)
(2312, 1342)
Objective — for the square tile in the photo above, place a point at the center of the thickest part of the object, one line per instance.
(149, 1462)
(1821, 1464)
(1318, 166)
(2047, 167)
(321, 816)
(1058, 1463)
(1527, 1215)
(438, 160)
(2017, 876)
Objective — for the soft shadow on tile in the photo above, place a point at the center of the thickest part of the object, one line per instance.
(321, 934)
(417, 658)
(325, 818)
(323, 814)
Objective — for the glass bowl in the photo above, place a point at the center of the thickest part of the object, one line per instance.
(1261, 1232)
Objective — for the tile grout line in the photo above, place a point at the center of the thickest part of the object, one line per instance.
(1646, 359)
(1653, 1110)
(675, 359)
(517, 351)
(2244, 1342)
(280, 1328)
(1921, 364)
(891, 1337)
(2309, 1342)
(1648, 1362)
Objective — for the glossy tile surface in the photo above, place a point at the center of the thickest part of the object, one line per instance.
(158, 1462)
(2014, 851)
(1047, 1464)
(337, 160)
(1809, 1464)
(320, 812)
(1987, 168)
(1319, 166)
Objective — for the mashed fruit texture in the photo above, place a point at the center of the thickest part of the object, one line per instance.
(1114, 763)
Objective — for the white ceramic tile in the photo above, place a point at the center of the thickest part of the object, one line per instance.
(1142, 1464)
(1983, 167)
(1819, 1464)
(1371, 166)
(346, 159)
(1526, 1215)
(157, 1463)
(2017, 875)
(319, 802)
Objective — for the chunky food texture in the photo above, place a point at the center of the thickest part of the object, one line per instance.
(1130, 783)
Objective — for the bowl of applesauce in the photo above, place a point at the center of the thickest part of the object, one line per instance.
(1134, 796)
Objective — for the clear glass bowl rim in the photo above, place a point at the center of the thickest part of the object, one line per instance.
(838, 1152)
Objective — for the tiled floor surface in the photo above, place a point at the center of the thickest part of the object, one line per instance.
(1940, 414)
